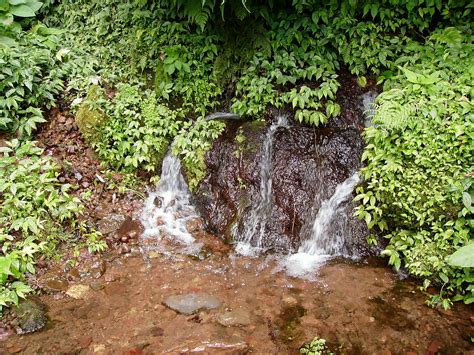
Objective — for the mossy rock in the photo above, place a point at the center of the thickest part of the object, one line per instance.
(88, 117)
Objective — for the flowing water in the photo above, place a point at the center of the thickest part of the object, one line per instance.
(328, 235)
(168, 208)
(252, 237)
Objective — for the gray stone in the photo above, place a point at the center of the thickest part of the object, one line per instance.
(29, 316)
(191, 303)
(235, 318)
(111, 223)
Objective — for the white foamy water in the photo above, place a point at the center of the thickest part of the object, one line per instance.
(323, 244)
(254, 229)
(168, 208)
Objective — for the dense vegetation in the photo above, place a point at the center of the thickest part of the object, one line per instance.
(142, 74)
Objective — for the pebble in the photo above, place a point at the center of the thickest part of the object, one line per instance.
(78, 291)
(235, 318)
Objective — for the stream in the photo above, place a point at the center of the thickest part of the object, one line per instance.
(295, 267)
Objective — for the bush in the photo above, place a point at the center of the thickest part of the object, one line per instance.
(419, 162)
(36, 213)
(135, 129)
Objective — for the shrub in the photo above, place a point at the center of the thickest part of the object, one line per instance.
(419, 155)
(36, 213)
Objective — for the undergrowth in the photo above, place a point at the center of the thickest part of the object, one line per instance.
(419, 154)
(147, 73)
(37, 213)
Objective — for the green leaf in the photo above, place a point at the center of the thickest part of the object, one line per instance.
(463, 257)
(22, 11)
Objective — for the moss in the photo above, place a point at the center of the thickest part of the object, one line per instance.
(89, 117)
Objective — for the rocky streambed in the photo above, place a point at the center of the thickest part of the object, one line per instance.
(236, 305)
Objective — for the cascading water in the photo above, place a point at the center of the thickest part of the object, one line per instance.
(168, 208)
(254, 228)
(325, 242)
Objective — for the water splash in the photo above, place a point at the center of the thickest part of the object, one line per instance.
(254, 229)
(168, 208)
(325, 242)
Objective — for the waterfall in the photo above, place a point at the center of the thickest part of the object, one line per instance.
(255, 225)
(324, 241)
(168, 208)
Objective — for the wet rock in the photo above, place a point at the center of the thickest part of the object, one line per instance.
(158, 201)
(78, 292)
(130, 229)
(29, 316)
(307, 165)
(191, 302)
(238, 317)
(97, 269)
(194, 225)
(111, 223)
(56, 284)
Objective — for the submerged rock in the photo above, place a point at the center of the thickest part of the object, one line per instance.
(235, 318)
(306, 166)
(29, 316)
(191, 302)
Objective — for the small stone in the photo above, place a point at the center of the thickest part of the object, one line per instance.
(191, 302)
(99, 348)
(158, 201)
(85, 184)
(160, 221)
(29, 316)
(290, 301)
(96, 286)
(111, 223)
(78, 176)
(157, 331)
(73, 274)
(153, 255)
(56, 284)
(194, 225)
(434, 347)
(371, 319)
(97, 269)
(78, 292)
(235, 318)
(84, 341)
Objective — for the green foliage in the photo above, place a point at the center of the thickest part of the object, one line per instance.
(417, 188)
(316, 347)
(9, 9)
(31, 74)
(463, 257)
(191, 144)
(36, 213)
(136, 131)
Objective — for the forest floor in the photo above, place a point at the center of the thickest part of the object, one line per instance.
(120, 302)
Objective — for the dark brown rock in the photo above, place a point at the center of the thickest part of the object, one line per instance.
(307, 165)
